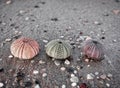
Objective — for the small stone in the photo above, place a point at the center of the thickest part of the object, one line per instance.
(107, 84)
(67, 62)
(96, 73)
(10, 56)
(109, 75)
(1, 84)
(74, 84)
(45, 41)
(57, 63)
(70, 69)
(8, 40)
(103, 76)
(37, 86)
(72, 75)
(21, 11)
(116, 11)
(101, 81)
(44, 74)
(35, 72)
(8, 2)
(63, 86)
(42, 62)
(27, 18)
(79, 47)
(87, 60)
(28, 84)
(97, 23)
(63, 68)
(75, 71)
(88, 65)
(61, 36)
(74, 79)
(90, 76)
(36, 6)
(114, 41)
(3, 23)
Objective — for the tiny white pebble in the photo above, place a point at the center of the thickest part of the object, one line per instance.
(75, 71)
(1, 84)
(109, 75)
(67, 62)
(10, 56)
(44, 74)
(103, 76)
(90, 76)
(74, 79)
(37, 86)
(35, 72)
(8, 2)
(88, 65)
(27, 18)
(72, 75)
(63, 86)
(8, 40)
(74, 84)
(45, 41)
(3, 23)
(61, 36)
(63, 68)
(87, 60)
(96, 73)
(21, 11)
(107, 84)
(57, 63)
(41, 62)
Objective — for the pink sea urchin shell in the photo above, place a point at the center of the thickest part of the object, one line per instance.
(93, 49)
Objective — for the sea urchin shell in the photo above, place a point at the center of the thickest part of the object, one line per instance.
(24, 48)
(93, 49)
(58, 49)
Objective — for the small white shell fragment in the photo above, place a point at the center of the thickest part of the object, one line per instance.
(10, 56)
(42, 62)
(45, 41)
(1, 84)
(87, 60)
(63, 86)
(63, 68)
(109, 75)
(75, 71)
(74, 79)
(103, 76)
(107, 84)
(27, 18)
(57, 63)
(35, 72)
(8, 2)
(67, 62)
(90, 76)
(44, 74)
(37, 86)
(61, 36)
(96, 73)
(74, 84)
(72, 75)
(8, 40)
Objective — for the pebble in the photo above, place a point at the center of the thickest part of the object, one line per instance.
(1, 70)
(74, 79)
(57, 63)
(96, 73)
(72, 75)
(8, 2)
(21, 11)
(116, 11)
(61, 36)
(63, 86)
(1, 84)
(45, 41)
(103, 76)
(27, 18)
(42, 62)
(62, 68)
(37, 86)
(35, 72)
(88, 65)
(109, 75)
(87, 60)
(75, 71)
(8, 40)
(44, 74)
(97, 23)
(90, 76)
(67, 62)
(10, 56)
(107, 84)
(74, 84)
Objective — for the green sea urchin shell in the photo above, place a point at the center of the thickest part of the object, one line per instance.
(58, 49)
